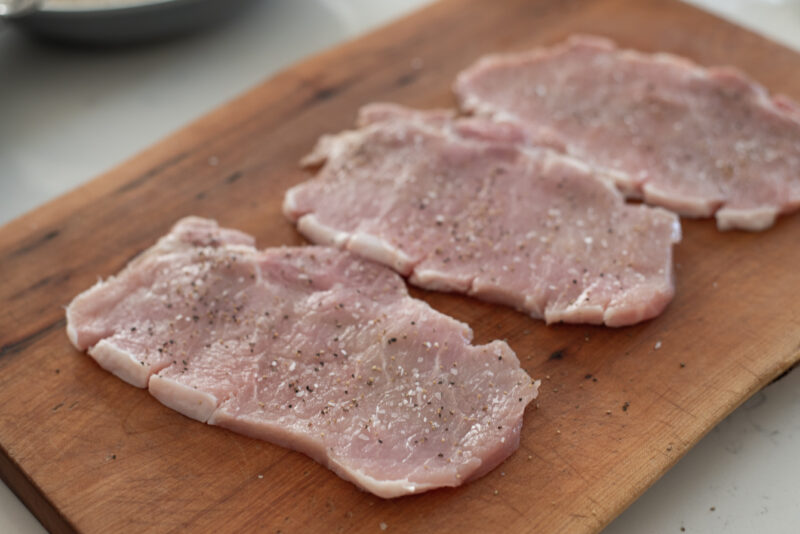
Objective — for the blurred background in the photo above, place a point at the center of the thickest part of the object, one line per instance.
(68, 113)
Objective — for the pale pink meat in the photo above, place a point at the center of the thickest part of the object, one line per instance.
(699, 141)
(311, 348)
(454, 205)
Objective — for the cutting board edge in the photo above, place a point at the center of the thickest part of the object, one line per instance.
(776, 373)
(34, 499)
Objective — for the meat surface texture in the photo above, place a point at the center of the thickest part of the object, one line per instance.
(698, 141)
(454, 205)
(311, 348)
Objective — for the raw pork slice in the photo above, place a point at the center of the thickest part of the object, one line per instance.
(698, 141)
(454, 205)
(311, 348)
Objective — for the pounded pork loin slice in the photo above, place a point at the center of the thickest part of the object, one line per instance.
(311, 348)
(698, 141)
(455, 206)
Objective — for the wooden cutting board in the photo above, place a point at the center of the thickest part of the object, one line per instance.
(89, 453)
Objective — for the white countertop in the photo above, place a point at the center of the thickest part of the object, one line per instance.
(67, 115)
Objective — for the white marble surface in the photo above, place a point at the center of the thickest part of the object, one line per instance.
(67, 115)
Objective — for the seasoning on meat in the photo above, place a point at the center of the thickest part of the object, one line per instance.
(454, 205)
(699, 141)
(311, 348)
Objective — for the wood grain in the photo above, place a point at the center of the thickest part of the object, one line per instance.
(88, 453)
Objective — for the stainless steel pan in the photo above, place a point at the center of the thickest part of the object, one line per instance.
(113, 21)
